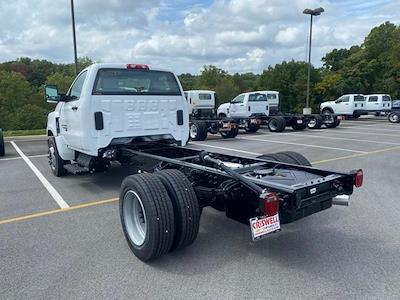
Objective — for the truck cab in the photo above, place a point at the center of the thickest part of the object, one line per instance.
(347, 105)
(114, 104)
(378, 103)
(249, 104)
(201, 102)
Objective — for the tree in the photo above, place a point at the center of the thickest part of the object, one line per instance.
(62, 81)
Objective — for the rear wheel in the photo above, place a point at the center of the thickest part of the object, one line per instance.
(289, 157)
(336, 122)
(315, 122)
(198, 131)
(277, 124)
(230, 134)
(186, 207)
(248, 127)
(299, 126)
(2, 151)
(55, 161)
(394, 117)
(147, 216)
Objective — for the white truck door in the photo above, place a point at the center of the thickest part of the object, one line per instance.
(237, 107)
(343, 106)
(372, 103)
(257, 104)
(70, 114)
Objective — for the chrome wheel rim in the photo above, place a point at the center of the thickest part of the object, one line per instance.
(134, 217)
(193, 131)
(394, 118)
(312, 123)
(52, 158)
(272, 125)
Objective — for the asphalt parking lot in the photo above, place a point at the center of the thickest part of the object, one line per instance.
(79, 251)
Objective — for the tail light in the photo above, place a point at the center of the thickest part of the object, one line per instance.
(271, 203)
(137, 66)
(358, 178)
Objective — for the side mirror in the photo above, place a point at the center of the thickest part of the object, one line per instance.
(338, 101)
(51, 94)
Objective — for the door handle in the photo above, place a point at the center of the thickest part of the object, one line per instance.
(74, 108)
(241, 105)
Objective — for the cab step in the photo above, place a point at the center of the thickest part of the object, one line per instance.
(76, 169)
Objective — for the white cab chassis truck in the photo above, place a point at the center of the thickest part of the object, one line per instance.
(203, 119)
(264, 106)
(136, 114)
(378, 103)
(353, 105)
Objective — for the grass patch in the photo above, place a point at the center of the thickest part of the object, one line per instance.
(24, 132)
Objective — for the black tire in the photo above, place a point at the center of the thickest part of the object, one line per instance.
(327, 111)
(198, 131)
(315, 122)
(251, 127)
(230, 134)
(299, 127)
(2, 150)
(336, 122)
(157, 216)
(277, 124)
(186, 207)
(356, 116)
(394, 117)
(55, 161)
(289, 157)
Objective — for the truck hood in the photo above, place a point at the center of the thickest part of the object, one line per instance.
(224, 106)
(327, 103)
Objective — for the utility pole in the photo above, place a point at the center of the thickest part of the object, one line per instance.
(74, 36)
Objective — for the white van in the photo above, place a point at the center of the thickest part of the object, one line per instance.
(378, 102)
(347, 105)
(201, 102)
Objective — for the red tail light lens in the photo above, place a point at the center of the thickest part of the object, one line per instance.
(358, 178)
(271, 203)
(136, 66)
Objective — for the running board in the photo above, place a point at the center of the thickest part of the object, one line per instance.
(76, 169)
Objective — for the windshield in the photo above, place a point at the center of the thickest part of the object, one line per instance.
(135, 82)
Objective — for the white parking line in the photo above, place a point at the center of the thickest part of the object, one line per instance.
(17, 158)
(375, 129)
(53, 192)
(225, 148)
(360, 132)
(303, 145)
(338, 138)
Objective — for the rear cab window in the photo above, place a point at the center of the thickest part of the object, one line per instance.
(386, 98)
(205, 96)
(111, 81)
(373, 99)
(257, 97)
(359, 98)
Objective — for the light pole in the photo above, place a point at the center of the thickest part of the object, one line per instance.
(74, 36)
(311, 12)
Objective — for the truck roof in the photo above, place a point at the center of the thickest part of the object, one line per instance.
(123, 66)
(199, 91)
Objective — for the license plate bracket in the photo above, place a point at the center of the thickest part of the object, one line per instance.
(263, 225)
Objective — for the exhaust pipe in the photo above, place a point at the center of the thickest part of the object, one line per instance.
(342, 200)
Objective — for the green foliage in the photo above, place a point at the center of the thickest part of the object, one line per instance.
(62, 81)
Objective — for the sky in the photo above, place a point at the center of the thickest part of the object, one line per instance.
(235, 35)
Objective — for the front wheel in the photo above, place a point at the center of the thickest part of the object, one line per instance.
(55, 161)
(277, 124)
(315, 122)
(394, 117)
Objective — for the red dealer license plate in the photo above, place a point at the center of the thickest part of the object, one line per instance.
(261, 226)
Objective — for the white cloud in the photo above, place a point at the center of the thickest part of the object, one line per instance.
(238, 35)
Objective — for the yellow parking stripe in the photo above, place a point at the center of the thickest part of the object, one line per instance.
(56, 211)
(356, 155)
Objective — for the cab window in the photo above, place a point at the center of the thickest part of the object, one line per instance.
(345, 98)
(76, 88)
(373, 99)
(257, 97)
(205, 97)
(238, 99)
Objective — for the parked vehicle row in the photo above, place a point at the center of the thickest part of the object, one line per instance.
(355, 105)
